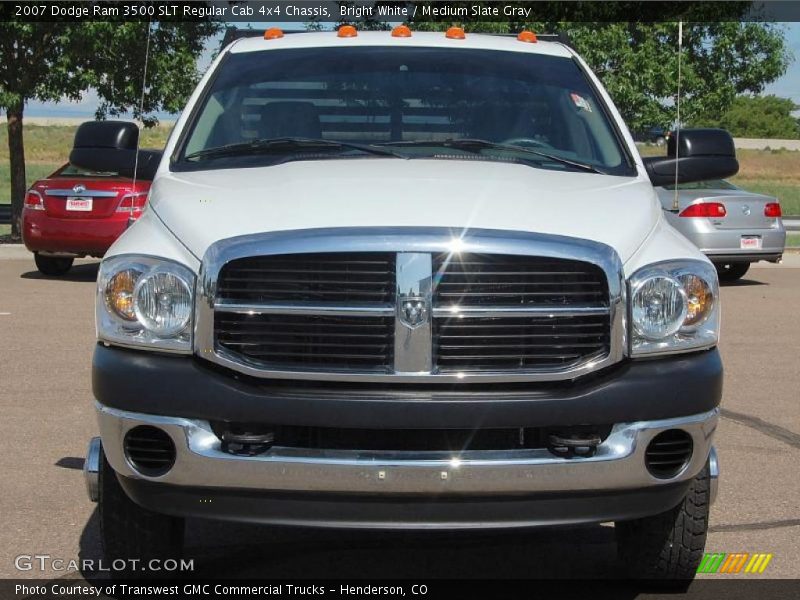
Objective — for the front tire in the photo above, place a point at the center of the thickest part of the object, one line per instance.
(732, 271)
(669, 545)
(53, 265)
(128, 531)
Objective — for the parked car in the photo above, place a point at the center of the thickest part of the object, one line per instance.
(732, 226)
(652, 135)
(75, 213)
(406, 280)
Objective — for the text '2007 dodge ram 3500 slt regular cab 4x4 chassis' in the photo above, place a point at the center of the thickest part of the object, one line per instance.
(406, 282)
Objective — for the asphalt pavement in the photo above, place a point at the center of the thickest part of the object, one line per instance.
(47, 418)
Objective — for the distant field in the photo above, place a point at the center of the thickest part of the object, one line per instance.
(773, 172)
(47, 148)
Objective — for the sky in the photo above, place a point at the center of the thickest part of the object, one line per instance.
(787, 86)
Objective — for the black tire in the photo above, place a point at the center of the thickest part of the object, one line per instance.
(732, 271)
(52, 265)
(128, 531)
(670, 545)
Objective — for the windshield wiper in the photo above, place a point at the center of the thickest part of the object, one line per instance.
(476, 145)
(287, 145)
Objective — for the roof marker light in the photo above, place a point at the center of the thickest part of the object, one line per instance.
(401, 31)
(527, 36)
(273, 33)
(347, 31)
(455, 33)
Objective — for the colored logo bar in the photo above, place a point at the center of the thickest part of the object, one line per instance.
(738, 562)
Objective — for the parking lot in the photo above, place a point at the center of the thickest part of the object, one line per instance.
(46, 341)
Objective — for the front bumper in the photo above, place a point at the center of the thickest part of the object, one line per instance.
(381, 489)
(180, 386)
(545, 489)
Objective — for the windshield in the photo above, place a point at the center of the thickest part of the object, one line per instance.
(401, 103)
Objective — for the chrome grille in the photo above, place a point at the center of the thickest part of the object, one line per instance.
(355, 277)
(465, 342)
(485, 279)
(317, 282)
(518, 343)
(390, 305)
(310, 341)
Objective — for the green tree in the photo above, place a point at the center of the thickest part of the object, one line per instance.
(55, 61)
(638, 62)
(758, 117)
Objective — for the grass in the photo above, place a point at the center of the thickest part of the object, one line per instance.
(47, 148)
(33, 171)
(772, 172)
(793, 239)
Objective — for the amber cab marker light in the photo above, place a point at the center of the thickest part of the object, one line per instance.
(527, 36)
(273, 33)
(401, 31)
(347, 31)
(455, 33)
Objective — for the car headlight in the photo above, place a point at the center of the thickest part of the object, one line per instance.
(674, 308)
(146, 302)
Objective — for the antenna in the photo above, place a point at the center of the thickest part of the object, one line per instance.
(141, 110)
(675, 203)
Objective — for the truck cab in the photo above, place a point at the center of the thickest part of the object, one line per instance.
(407, 280)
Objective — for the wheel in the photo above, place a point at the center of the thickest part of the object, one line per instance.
(52, 265)
(670, 545)
(128, 531)
(661, 140)
(732, 271)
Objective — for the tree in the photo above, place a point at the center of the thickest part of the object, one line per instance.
(55, 61)
(638, 61)
(758, 117)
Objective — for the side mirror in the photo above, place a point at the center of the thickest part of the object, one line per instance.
(111, 146)
(699, 154)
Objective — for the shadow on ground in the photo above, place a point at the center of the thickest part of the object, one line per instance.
(231, 551)
(83, 272)
(741, 283)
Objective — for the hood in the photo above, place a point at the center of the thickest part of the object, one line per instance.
(205, 206)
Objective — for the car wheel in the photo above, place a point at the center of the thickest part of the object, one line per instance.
(128, 531)
(670, 545)
(661, 140)
(52, 265)
(732, 271)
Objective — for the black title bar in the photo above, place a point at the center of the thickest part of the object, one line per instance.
(391, 11)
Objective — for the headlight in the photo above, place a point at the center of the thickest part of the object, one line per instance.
(674, 308)
(147, 302)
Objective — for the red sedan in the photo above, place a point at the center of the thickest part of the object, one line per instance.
(73, 213)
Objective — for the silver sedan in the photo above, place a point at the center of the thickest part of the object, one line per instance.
(732, 226)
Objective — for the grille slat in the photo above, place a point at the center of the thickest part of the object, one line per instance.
(514, 342)
(361, 277)
(497, 280)
(309, 341)
(312, 342)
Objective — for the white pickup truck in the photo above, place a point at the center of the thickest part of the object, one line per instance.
(406, 280)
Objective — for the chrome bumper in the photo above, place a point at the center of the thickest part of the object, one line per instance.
(617, 465)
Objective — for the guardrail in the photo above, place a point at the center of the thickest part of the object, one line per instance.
(5, 214)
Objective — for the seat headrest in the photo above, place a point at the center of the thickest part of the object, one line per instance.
(289, 119)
